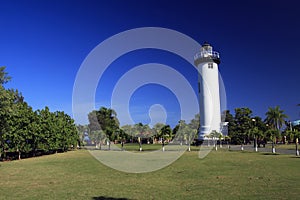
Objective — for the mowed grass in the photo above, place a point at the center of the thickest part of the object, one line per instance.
(145, 147)
(284, 146)
(220, 175)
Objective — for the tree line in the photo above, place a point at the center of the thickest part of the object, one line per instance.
(104, 127)
(25, 132)
(243, 128)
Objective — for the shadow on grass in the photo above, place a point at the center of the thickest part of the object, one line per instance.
(244, 151)
(108, 198)
(271, 154)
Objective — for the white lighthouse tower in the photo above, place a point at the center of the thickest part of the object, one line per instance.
(207, 62)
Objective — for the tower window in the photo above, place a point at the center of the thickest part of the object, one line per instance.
(210, 65)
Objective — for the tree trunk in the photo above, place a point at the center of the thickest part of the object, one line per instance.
(255, 144)
(273, 147)
(297, 149)
(189, 143)
(19, 155)
(140, 146)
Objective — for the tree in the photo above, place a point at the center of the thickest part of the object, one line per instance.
(14, 117)
(19, 132)
(179, 131)
(82, 131)
(272, 134)
(275, 118)
(94, 125)
(157, 131)
(255, 134)
(185, 133)
(57, 131)
(140, 131)
(66, 131)
(4, 78)
(143, 132)
(128, 131)
(106, 120)
(23, 131)
(231, 122)
(97, 137)
(46, 142)
(215, 135)
(227, 139)
(242, 121)
(290, 135)
(36, 132)
(6, 100)
(166, 134)
(195, 123)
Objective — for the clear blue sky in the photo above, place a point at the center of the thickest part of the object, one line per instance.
(43, 44)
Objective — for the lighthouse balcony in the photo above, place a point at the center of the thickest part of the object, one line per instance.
(206, 54)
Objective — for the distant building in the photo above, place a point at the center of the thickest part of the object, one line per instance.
(296, 122)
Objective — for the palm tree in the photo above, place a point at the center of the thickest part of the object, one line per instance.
(97, 136)
(254, 134)
(128, 130)
(275, 118)
(141, 131)
(214, 135)
(157, 131)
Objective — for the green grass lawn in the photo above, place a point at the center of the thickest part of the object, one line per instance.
(145, 147)
(221, 175)
(283, 146)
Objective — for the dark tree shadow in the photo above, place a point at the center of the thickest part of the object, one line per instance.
(108, 198)
(295, 157)
(271, 154)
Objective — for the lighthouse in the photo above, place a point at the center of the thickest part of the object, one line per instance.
(207, 62)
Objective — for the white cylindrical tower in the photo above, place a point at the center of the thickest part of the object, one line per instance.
(207, 62)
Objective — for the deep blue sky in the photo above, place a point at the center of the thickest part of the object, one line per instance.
(43, 44)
